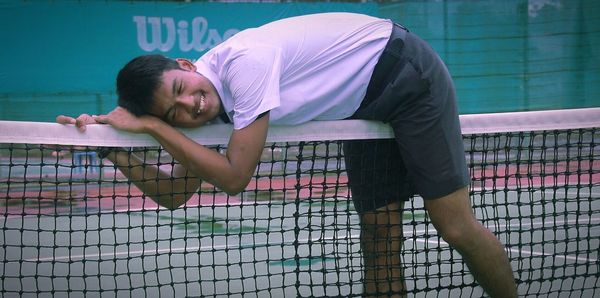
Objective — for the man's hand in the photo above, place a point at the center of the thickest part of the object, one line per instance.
(119, 118)
(122, 119)
(80, 122)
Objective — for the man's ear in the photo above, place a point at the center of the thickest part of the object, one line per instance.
(186, 64)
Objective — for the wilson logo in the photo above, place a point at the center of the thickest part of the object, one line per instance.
(164, 33)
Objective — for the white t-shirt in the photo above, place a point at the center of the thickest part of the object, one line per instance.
(312, 67)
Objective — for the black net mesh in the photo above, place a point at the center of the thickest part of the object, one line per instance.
(71, 224)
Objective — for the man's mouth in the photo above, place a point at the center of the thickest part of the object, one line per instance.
(202, 105)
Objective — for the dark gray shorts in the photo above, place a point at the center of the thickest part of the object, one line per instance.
(411, 90)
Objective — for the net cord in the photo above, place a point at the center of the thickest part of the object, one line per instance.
(21, 132)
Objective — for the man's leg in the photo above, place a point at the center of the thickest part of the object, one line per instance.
(381, 243)
(453, 218)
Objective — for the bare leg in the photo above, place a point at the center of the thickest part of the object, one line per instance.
(381, 243)
(453, 218)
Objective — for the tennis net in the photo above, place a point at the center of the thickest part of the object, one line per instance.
(72, 225)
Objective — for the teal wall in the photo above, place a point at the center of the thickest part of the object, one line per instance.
(62, 56)
(513, 55)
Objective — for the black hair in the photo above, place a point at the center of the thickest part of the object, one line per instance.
(139, 79)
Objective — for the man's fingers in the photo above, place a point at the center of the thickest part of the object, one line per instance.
(84, 120)
(101, 119)
(62, 119)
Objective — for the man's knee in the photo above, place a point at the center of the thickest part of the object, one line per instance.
(454, 220)
(458, 236)
(382, 220)
(381, 232)
(383, 225)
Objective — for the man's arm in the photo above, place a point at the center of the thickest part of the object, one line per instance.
(168, 189)
(150, 179)
(231, 172)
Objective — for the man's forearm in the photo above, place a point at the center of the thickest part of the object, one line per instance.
(203, 162)
(158, 185)
(230, 172)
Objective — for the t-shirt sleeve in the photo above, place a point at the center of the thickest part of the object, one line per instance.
(253, 80)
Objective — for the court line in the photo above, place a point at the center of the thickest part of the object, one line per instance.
(108, 256)
(588, 220)
(565, 257)
(577, 259)
(181, 249)
(529, 252)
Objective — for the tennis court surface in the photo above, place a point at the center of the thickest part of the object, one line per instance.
(75, 227)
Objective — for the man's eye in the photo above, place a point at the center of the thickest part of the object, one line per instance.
(174, 114)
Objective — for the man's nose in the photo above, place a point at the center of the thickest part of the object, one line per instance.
(187, 102)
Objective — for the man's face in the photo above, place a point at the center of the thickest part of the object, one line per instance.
(185, 98)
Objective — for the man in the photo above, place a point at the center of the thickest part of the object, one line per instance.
(317, 67)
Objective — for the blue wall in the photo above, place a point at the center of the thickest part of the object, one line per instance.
(62, 56)
(513, 55)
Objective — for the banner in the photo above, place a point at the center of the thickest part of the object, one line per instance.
(62, 57)
(68, 53)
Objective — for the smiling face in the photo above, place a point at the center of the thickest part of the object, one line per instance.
(185, 98)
